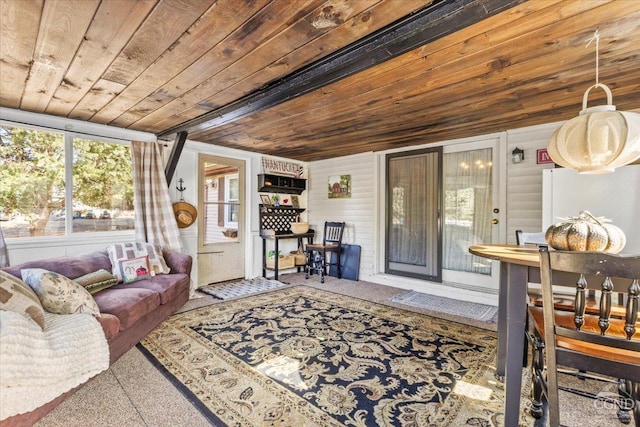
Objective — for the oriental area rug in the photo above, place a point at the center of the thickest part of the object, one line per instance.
(301, 356)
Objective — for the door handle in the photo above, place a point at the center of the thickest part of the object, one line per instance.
(494, 221)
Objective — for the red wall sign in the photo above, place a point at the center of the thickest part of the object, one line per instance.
(543, 156)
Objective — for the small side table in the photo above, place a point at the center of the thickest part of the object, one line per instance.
(276, 238)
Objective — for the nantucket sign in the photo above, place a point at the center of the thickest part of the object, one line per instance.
(282, 167)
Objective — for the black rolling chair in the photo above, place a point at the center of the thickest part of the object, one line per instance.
(317, 253)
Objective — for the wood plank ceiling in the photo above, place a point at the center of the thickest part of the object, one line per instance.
(206, 66)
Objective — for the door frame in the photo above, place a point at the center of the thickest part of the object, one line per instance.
(243, 225)
(500, 185)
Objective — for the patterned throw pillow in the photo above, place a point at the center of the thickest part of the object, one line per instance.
(96, 281)
(135, 269)
(16, 296)
(59, 294)
(125, 251)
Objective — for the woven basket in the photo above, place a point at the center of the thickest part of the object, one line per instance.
(299, 257)
(284, 262)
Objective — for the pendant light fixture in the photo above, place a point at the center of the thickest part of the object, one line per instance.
(600, 139)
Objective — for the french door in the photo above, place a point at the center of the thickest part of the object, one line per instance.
(471, 211)
(221, 222)
(439, 201)
(414, 205)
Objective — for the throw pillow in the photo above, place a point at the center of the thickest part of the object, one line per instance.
(124, 251)
(134, 269)
(59, 294)
(96, 281)
(16, 296)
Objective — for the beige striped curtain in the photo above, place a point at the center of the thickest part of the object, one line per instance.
(4, 252)
(154, 218)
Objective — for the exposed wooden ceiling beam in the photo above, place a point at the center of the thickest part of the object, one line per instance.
(176, 150)
(441, 18)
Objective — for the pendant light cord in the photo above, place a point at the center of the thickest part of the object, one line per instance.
(596, 37)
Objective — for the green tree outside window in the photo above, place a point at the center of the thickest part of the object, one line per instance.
(33, 200)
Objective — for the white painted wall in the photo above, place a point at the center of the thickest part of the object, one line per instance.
(19, 117)
(30, 249)
(524, 180)
(358, 212)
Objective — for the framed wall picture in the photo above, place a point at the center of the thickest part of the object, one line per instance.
(295, 202)
(265, 200)
(339, 187)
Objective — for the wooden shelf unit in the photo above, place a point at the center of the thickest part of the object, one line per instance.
(268, 183)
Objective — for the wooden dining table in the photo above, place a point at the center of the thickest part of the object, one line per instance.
(519, 265)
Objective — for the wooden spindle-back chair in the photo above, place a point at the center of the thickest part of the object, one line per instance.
(317, 253)
(588, 340)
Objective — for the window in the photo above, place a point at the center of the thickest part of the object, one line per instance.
(221, 200)
(231, 198)
(35, 168)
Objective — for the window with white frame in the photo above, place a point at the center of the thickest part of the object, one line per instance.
(231, 198)
(57, 183)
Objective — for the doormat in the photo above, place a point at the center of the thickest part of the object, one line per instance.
(226, 291)
(472, 310)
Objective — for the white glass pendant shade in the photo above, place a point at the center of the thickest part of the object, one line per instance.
(598, 140)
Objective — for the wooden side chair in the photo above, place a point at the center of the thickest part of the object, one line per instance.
(593, 341)
(563, 296)
(317, 253)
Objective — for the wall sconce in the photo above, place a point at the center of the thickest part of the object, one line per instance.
(600, 139)
(517, 155)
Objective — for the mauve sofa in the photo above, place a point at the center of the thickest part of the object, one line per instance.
(128, 311)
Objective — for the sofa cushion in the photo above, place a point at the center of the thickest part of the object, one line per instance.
(96, 281)
(17, 296)
(128, 304)
(178, 262)
(59, 294)
(126, 251)
(168, 286)
(110, 325)
(132, 270)
(68, 266)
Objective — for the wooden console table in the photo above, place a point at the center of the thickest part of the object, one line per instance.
(276, 238)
